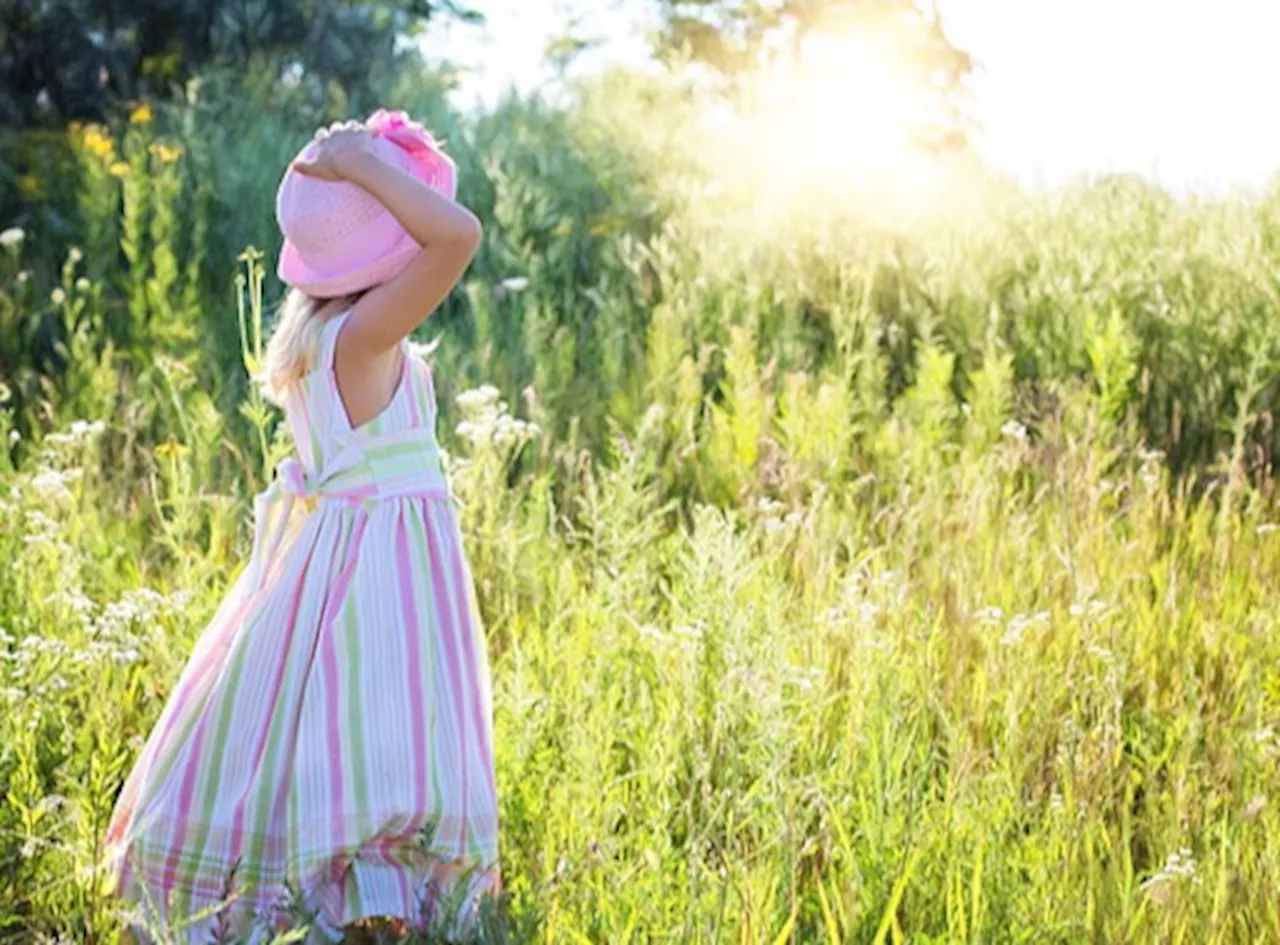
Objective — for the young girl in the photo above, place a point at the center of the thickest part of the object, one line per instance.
(331, 736)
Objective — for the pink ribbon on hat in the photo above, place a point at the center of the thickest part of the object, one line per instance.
(400, 129)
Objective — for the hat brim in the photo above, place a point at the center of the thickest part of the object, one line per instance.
(294, 271)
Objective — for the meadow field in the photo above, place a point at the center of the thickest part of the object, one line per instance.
(858, 564)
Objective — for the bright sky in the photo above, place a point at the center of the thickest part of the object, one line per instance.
(1180, 90)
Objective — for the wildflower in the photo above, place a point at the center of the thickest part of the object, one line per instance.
(23, 276)
(473, 432)
(13, 236)
(74, 255)
(84, 428)
(97, 143)
(53, 483)
(484, 396)
(1017, 626)
(652, 633)
(424, 351)
(768, 506)
(83, 284)
(172, 450)
(118, 169)
(515, 283)
(58, 296)
(141, 115)
(166, 154)
(1014, 430)
(1179, 865)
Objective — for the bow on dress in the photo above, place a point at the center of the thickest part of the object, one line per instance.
(272, 509)
(401, 464)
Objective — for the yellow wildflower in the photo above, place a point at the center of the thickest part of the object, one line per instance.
(172, 450)
(166, 154)
(97, 143)
(119, 169)
(141, 115)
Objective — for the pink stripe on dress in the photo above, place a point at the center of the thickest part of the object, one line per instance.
(333, 605)
(417, 710)
(455, 681)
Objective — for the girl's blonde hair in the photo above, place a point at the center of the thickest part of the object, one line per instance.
(296, 337)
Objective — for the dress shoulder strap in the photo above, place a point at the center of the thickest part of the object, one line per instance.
(329, 340)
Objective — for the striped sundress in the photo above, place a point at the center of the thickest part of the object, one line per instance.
(331, 734)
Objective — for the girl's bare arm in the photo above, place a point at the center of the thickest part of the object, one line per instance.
(448, 233)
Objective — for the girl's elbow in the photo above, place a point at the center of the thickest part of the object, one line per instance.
(469, 233)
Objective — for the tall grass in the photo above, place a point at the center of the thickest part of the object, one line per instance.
(855, 583)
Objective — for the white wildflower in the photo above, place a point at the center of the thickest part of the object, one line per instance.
(83, 284)
(22, 277)
(473, 432)
(40, 527)
(484, 396)
(650, 632)
(1014, 430)
(424, 350)
(75, 255)
(1018, 625)
(13, 236)
(52, 483)
(514, 284)
(73, 599)
(85, 428)
(1177, 866)
(58, 296)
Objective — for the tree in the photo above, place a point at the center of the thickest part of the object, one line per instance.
(68, 59)
(731, 36)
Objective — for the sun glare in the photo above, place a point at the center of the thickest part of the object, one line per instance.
(827, 129)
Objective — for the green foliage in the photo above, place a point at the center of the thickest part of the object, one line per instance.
(72, 59)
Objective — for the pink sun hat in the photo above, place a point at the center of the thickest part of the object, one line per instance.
(338, 238)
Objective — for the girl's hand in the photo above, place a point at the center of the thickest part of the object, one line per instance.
(343, 146)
